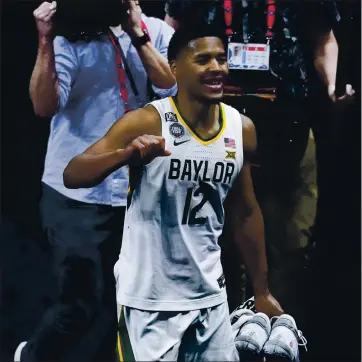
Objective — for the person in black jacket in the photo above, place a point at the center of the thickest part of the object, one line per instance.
(302, 47)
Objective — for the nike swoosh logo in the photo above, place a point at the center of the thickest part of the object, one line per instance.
(179, 143)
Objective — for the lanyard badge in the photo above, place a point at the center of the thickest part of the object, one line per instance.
(250, 56)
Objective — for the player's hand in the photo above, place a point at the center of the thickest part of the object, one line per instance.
(133, 25)
(347, 98)
(43, 17)
(144, 149)
(267, 304)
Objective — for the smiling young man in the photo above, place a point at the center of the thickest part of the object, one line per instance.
(186, 155)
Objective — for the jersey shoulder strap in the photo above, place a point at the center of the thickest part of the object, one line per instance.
(233, 134)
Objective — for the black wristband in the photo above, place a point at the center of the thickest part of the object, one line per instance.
(141, 40)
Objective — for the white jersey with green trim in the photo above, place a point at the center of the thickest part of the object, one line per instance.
(170, 257)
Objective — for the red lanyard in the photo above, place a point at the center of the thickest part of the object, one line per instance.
(120, 72)
(228, 16)
(121, 68)
(270, 18)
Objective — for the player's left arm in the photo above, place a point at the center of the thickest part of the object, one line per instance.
(246, 220)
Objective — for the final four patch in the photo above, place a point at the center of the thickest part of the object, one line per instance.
(171, 117)
(176, 130)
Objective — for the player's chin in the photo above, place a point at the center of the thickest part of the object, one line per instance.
(214, 97)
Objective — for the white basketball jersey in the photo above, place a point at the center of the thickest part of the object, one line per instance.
(170, 257)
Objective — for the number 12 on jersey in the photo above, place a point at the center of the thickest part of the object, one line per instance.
(208, 195)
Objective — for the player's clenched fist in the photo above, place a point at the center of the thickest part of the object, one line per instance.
(144, 149)
(43, 18)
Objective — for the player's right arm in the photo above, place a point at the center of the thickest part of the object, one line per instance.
(134, 139)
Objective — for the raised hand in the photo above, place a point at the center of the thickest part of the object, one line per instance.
(43, 17)
(133, 25)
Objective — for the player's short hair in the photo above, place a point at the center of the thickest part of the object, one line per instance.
(184, 35)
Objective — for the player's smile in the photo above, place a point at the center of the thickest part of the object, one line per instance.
(213, 83)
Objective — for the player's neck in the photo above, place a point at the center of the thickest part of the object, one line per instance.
(196, 113)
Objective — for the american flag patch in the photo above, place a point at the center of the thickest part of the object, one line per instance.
(229, 142)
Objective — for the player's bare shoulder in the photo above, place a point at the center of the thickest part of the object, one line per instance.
(136, 123)
(249, 134)
(149, 118)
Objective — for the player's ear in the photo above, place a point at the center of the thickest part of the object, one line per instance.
(172, 64)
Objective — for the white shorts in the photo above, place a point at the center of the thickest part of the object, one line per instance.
(198, 335)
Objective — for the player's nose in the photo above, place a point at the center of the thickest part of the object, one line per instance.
(214, 65)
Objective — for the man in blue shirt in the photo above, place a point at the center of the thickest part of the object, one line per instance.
(85, 87)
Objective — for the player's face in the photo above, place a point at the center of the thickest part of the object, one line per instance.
(203, 69)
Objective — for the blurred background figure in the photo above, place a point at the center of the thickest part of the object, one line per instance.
(334, 260)
(281, 102)
(85, 79)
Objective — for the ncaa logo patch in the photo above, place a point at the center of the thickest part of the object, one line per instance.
(171, 117)
(176, 130)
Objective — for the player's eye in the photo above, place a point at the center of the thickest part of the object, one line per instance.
(222, 59)
(202, 60)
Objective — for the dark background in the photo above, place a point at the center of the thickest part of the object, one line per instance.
(27, 286)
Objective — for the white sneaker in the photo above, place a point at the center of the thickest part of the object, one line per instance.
(284, 340)
(252, 336)
(238, 318)
(17, 356)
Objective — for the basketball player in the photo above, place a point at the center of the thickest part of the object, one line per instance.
(186, 155)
